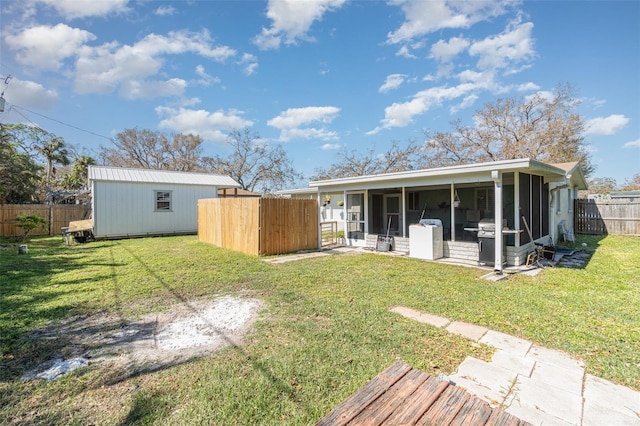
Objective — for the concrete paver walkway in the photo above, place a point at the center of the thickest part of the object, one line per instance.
(539, 385)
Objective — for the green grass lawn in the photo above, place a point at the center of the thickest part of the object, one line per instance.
(325, 329)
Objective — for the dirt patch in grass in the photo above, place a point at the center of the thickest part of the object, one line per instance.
(184, 331)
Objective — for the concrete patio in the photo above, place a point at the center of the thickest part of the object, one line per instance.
(539, 385)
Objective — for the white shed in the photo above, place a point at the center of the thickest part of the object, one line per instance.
(141, 202)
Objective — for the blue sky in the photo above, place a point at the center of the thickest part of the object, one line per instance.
(316, 76)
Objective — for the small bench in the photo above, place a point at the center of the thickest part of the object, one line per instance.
(402, 395)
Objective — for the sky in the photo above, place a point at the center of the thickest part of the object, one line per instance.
(316, 76)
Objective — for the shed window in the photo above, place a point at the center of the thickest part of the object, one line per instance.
(163, 201)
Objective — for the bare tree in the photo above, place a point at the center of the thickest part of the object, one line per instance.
(538, 127)
(154, 150)
(254, 164)
(354, 163)
(632, 184)
(602, 185)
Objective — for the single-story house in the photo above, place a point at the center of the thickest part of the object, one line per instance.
(140, 202)
(518, 194)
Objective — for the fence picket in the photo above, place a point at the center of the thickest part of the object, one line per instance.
(600, 217)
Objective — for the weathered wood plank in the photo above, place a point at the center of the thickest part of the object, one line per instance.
(502, 418)
(419, 402)
(444, 410)
(81, 225)
(360, 400)
(474, 412)
(384, 406)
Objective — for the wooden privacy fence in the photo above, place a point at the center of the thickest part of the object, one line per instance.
(600, 217)
(259, 226)
(57, 215)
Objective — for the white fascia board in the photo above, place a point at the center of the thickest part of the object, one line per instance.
(441, 175)
(470, 173)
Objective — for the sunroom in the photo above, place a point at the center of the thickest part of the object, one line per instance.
(524, 199)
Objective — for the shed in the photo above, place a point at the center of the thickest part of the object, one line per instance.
(129, 202)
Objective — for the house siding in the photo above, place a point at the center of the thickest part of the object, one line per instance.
(122, 209)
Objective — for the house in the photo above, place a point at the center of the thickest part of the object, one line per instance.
(522, 194)
(141, 202)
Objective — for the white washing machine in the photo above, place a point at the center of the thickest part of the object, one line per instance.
(425, 240)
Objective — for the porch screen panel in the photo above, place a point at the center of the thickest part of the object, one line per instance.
(545, 209)
(536, 216)
(525, 205)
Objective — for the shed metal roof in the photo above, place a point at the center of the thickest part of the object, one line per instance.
(120, 174)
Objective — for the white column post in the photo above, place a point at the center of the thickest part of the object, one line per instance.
(404, 212)
(453, 213)
(496, 176)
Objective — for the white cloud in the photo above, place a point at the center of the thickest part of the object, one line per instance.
(633, 144)
(250, 63)
(405, 53)
(402, 114)
(526, 87)
(165, 11)
(513, 46)
(211, 126)
(46, 47)
(467, 102)
(424, 17)
(104, 68)
(543, 94)
(330, 146)
(292, 123)
(29, 94)
(134, 89)
(605, 125)
(291, 20)
(83, 8)
(205, 79)
(393, 81)
(445, 51)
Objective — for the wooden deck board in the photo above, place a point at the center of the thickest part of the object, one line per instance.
(360, 400)
(402, 395)
(377, 413)
(443, 411)
(419, 402)
(474, 412)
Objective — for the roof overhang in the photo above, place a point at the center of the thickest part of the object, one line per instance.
(298, 191)
(469, 173)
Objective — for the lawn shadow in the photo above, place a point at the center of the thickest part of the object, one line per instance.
(281, 385)
(28, 299)
(578, 254)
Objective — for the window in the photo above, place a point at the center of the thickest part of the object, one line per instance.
(163, 201)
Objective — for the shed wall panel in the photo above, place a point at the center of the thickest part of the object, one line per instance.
(128, 208)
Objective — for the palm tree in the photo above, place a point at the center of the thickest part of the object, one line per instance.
(77, 177)
(54, 151)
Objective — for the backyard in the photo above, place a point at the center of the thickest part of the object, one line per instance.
(322, 331)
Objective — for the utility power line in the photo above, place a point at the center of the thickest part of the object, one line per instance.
(18, 108)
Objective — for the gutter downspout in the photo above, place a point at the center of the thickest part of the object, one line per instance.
(553, 213)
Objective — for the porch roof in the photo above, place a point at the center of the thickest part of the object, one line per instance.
(468, 173)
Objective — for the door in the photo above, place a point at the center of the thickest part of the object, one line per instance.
(355, 217)
(392, 214)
